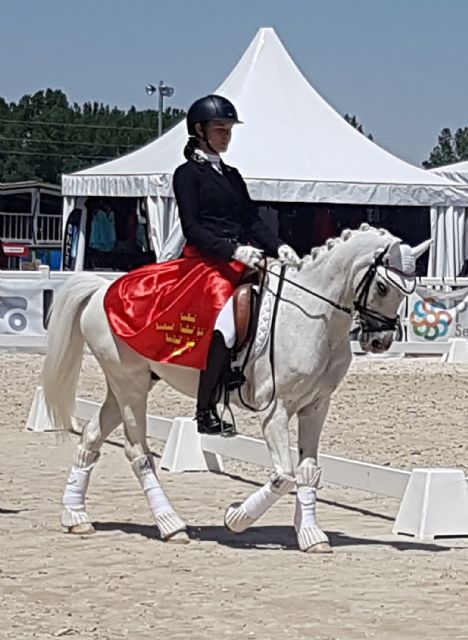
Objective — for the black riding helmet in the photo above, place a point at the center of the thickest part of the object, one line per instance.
(210, 107)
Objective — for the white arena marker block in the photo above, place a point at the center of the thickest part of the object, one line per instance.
(183, 450)
(458, 350)
(435, 503)
(38, 419)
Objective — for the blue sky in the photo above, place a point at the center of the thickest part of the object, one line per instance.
(401, 66)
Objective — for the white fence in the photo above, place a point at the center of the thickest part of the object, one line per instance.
(434, 502)
(357, 475)
(25, 299)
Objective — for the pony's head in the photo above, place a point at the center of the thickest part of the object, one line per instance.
(389, 274)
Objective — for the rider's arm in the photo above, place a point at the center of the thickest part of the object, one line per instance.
(186, 194)
(257, 230)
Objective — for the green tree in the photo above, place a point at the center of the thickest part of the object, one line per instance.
(449, 149)
(43, 135)
(353, 121)
(444, 152)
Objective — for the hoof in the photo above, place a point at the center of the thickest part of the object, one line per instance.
(313, 540)
(179, 537)
(320, 547)
(82, 529)
(235, 518)
(172, 528)
(76, 521)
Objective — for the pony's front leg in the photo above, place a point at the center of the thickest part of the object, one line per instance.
(75, 518)
(171, 527)
(309, 535)
(240, 516)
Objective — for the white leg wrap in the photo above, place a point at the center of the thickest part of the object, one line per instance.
(74, 497)
(241, 516)
(167, 520)
(169, 523)
(305, 522)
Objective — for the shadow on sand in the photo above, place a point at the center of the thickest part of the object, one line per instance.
(268, 537)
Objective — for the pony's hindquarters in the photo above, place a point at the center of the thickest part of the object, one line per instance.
(65, 347)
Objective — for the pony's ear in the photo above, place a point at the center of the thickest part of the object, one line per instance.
(399, 267)
(398, 256)
(392, 254)
(421, 248)
(393, 257)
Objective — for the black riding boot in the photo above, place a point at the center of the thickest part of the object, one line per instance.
(208, 420)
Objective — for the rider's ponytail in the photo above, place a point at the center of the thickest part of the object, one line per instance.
(192, 144)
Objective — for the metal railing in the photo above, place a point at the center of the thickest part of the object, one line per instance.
(25, 228)
(16, 227)
(49, 229)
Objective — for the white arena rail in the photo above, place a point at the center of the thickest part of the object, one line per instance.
(357, 475)
(433, 502)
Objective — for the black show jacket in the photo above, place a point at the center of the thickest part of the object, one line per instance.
(216, 211)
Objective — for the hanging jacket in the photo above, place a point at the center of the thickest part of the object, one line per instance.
(103, 236)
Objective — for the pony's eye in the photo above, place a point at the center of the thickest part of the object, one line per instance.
(382, 288)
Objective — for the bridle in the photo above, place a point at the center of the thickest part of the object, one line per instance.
(370, 320)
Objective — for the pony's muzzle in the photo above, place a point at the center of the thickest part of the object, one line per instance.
(376, 342)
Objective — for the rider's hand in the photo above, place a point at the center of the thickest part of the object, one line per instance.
(250, 256)
(288, 256)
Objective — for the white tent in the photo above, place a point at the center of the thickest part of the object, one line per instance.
(457, 172)
(293, 147)
(450, 228)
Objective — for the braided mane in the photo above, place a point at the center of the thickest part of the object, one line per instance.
(317, 253)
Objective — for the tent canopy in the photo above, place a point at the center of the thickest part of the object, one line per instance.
(457, 172)
(293, 147)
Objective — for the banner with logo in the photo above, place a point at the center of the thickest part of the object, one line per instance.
(21, 308)
(26, 298)
(437, 315)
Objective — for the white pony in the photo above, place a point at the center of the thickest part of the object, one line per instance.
(366, 272)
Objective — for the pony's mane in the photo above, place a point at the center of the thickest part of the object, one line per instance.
(318, 253)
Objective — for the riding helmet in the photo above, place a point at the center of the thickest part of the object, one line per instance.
(210, 107)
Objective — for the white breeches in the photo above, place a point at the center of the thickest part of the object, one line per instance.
(226, 325)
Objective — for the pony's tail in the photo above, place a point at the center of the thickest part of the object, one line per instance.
(65, 344)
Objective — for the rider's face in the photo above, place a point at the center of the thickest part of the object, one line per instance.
(218, 134)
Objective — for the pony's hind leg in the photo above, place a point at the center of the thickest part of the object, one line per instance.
(132, 400)
(75, 518)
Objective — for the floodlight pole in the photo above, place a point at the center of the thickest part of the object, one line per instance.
(164, 92)
(160, 110)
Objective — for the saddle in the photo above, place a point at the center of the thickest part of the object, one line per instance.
(244, 301)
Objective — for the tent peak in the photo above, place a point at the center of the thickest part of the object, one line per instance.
(293, 147)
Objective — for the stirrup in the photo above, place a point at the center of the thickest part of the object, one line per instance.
(231, 431)
(209, 423)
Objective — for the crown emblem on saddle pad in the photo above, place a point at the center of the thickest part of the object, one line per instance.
(187, 329)
(188, 317)
(165, 326)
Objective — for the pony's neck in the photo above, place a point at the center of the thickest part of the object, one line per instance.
(334, 272)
